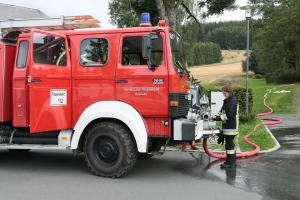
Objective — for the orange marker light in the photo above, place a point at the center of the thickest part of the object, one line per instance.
(64, 138)
(173, 103)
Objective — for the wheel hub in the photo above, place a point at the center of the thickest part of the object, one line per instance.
(106, 151)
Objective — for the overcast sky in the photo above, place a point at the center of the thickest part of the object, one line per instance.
(98, 9)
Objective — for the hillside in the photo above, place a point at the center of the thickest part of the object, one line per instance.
(230, 66)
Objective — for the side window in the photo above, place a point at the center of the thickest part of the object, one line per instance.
(132, 51)
(131, 59)
(22, 54)
(49, 50)
(94, 52)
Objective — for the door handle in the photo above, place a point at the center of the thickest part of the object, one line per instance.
(36, 80)
(213, 103)
(121, 81)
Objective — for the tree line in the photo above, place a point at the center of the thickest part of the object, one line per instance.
(228, 35)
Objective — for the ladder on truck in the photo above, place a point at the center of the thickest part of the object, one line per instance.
(48, 24)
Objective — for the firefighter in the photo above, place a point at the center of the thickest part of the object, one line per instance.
(86, 58)
(62, 58)
(229, 117)
(61, 61)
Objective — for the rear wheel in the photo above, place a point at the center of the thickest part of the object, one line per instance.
(110, 150)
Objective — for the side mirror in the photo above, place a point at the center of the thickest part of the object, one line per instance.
(146, 47)
(147, 50)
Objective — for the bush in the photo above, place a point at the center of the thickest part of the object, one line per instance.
(253, 64)
(283, 76)
(247, 118)
(256, 76)
(269, 77)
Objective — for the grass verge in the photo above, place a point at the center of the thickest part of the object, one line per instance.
(261, 136)
(279, 99)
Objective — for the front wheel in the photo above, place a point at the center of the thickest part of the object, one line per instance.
(110, 149)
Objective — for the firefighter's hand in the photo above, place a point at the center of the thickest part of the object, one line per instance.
(213, 117)
(221, 140)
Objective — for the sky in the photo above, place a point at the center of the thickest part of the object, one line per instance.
(99, 9)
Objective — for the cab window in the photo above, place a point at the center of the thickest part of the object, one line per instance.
(22, 54)
(49, 49)
(132, 51)
(94, 52)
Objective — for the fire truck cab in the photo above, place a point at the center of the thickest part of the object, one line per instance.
(112, 94)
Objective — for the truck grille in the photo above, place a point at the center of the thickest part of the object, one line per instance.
(183, 104)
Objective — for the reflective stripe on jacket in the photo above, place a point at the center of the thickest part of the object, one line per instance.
(61, 59)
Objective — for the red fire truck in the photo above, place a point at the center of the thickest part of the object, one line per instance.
(111, 94)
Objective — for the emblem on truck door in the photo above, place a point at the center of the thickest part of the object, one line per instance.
(158, 81)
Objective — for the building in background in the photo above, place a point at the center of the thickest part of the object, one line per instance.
(8, 11)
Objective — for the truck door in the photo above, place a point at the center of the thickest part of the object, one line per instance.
(144, 89)
(50, 82)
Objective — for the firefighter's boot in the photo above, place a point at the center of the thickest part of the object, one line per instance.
(230, 161)
(183, 146)
(194, 145)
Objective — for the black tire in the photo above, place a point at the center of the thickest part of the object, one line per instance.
(19, 150)
(110, 150)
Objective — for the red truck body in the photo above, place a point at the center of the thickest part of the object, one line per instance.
(69, 83)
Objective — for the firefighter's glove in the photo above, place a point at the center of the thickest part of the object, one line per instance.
(221, 138)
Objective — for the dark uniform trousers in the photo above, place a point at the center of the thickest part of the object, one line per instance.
(230, 149)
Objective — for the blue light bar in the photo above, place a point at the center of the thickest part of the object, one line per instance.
(145, 20)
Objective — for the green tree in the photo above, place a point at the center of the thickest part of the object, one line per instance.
(207, 53)
(278, 37)
(126, 13)
(228, 35)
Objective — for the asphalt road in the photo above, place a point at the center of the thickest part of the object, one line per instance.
(42, 174)
(58, 175)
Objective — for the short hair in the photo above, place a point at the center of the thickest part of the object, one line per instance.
(228, 89)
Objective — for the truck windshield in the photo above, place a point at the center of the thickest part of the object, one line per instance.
(178, 55)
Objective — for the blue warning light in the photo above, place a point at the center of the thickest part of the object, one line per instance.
(145, 19)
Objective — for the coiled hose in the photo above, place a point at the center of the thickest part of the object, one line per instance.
(257, 148)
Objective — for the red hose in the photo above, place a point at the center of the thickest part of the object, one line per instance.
(257, 148)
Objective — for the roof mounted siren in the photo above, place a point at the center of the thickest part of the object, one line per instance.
(145, 20)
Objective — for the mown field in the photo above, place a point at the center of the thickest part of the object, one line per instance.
(230, 66)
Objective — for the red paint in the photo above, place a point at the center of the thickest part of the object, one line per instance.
(156, 126)
(7, 57)
(21, 93)
(88, 85)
